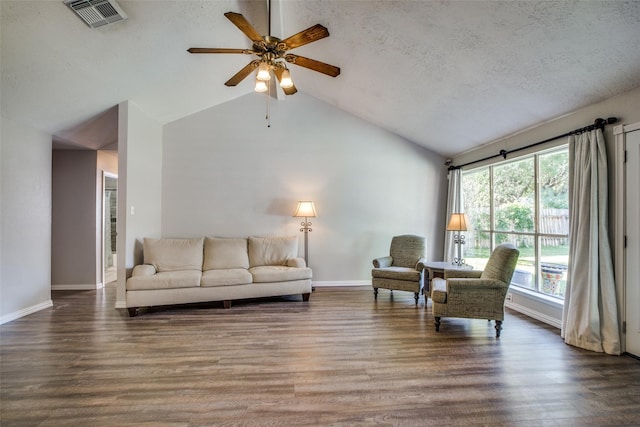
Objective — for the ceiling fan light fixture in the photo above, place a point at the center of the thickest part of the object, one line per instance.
(264, 72)
(261, 86)
(285, 81)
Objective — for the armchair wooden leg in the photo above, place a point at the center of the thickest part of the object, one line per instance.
(416, 296)
(437, 322)
(375, 293)
(133, 311)
(305, 296)
(498, 328)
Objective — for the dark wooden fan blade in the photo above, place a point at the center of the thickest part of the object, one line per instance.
(216, 50)
(242, 74)
(244, 26)
(307, 36)
(287, 90)
(312, 64)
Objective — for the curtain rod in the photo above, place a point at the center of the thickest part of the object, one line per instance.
(597, 123)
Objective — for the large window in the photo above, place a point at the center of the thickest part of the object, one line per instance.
(524, 202)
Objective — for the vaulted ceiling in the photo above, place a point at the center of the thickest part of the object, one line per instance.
(446, 75)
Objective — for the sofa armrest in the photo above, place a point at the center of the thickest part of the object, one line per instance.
(296, 262)
(462, 274)
(143, 270)
(383, 262)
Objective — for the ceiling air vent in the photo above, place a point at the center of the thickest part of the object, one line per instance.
(97, 13)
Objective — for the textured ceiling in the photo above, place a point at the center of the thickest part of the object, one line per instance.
(446, 75)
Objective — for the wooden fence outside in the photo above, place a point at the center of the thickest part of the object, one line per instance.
(552, 221)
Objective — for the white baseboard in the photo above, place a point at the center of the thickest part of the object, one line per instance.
(534, 314)
(77, 287)
(25, 311)
(342, 283)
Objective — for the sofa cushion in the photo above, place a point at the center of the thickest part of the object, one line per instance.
(225, 277)
(278, 273)
(272, 250)
(173, 254)
(222, 253)
(165, 280)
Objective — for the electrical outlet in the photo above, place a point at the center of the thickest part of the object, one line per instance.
(509, 297)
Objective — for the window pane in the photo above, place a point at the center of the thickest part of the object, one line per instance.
(476, 196)
(554, 261)
(554, 182)
(524, 274)
(514, 196)
(477, 248)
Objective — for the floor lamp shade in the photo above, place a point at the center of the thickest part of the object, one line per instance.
(305, 209)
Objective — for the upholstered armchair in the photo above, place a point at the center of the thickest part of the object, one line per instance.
(402, 269)
(476, 294)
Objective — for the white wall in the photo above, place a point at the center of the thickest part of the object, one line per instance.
(627, 109)
(226, 174)
(139, 187)
(25, 220)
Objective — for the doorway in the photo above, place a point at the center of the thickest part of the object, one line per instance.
(627, 232)
(632, 267)
(110, 221)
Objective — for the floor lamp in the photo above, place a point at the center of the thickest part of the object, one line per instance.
(458, 222)
(307, 210)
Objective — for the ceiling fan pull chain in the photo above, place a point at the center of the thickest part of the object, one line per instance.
(268, 118)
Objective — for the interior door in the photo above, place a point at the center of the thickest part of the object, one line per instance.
(632, 273)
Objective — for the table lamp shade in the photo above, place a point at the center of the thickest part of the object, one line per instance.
(458, 222)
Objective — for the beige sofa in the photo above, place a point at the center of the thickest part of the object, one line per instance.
(180, 271)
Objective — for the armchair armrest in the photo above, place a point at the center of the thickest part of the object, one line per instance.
(383, 262)
(144, 270)
(296, 262)
(462, 274)
(420, 264)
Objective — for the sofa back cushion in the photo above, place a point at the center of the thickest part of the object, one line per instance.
(222, 253)
(173, 254)
(272, 250)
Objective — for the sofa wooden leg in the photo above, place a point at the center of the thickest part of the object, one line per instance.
(375, 293)
(305, 297)
(437, 322)
(226, 303)
(416, 296)
(133, 311)
(498, 328)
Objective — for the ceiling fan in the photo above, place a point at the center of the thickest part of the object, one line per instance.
(273, 55)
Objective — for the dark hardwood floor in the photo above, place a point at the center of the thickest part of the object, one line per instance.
(342, 359)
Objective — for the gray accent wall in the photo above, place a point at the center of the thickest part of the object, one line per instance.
(225, 173)
(73, 228)
(25, 220)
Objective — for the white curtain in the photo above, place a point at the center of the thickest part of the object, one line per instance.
(454, 205)
(589, 318)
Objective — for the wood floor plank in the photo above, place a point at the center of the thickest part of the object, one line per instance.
(341, 359)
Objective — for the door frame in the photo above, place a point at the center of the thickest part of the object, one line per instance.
(105, 175)
(620, 264)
